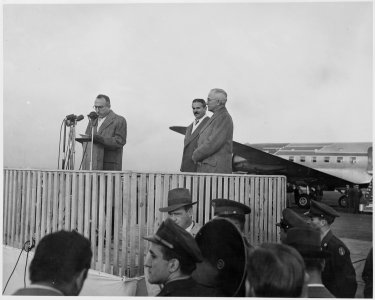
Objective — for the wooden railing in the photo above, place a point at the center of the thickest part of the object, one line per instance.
(38, 202)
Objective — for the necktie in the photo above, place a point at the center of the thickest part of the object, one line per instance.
(196, 121)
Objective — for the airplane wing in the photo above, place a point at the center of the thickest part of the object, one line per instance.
(254, 161)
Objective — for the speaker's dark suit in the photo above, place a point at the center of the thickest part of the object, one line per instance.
(190, 144)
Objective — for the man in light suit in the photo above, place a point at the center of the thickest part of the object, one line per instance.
(109, 132)
(192, 132)
(215, 143)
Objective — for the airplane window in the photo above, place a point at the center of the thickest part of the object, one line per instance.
(353, 160)
(302, 159)
(313, 159)
(340, 159)
(291, 158)
(326, 159)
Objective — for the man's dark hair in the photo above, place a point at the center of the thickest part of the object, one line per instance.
(59, 256)
(276, 270)
(187, 265)
(106, 98)
(314, 263)
(200, 101)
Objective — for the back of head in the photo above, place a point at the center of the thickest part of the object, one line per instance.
(59, 257)
(220, 95)
(275, 270)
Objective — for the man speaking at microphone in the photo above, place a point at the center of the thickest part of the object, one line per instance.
(109, 134)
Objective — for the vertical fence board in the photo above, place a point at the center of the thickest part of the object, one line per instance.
(39, 213)
(101, 221)
(207, 202)
(94, 219)
(23, 204)
(150, 205)
(6, 214)
(200, 200)
(261, 211)
(68, 201)
(81, 201)
(49, 202)
(142, 222)
(55, 201)
(87, 206)
(117, 223)
(44, 185)
(34, 208)
(126, 212)
(133, 223)
(108, 223)
(61, 206)
(74, 203)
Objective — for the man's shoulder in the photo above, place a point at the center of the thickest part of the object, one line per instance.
(36, 291)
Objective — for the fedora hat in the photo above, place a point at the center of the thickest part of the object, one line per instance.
(177, 198)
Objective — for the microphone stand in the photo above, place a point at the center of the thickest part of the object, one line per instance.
(63, 154)
(93, 116)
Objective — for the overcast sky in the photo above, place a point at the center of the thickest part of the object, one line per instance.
(294, 72)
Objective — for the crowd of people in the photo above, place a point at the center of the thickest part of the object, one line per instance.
(185, 259)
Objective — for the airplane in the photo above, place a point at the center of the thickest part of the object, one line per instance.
(310, 167)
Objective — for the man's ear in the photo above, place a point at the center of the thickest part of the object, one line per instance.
(80, 279)
(174, 265)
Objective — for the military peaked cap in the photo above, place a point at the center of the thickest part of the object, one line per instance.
(224, 207)
(291, 219)
(318, 209)
(174, 237)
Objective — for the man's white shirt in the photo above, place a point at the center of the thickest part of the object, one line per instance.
(196, 124)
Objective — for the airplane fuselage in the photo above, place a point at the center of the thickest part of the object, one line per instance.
(349, 161)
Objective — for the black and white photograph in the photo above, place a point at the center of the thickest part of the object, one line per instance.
(187, 148)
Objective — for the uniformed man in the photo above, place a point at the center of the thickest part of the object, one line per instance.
(338, 275)
(233, 211)
(307, 242)
(289, 220)
(172, 258)
(180, 210)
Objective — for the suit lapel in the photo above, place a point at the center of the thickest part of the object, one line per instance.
(108, 120)
(196, 131)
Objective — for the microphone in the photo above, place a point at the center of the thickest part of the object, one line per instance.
(79, 118)
(71, 117)
(93, 115)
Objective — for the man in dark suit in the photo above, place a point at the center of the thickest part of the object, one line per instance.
(289, 220)
(109, 134)
(215, 142)
(338, 275)
(60, 265)
(191, 136)
(307, 242)
(172, 258)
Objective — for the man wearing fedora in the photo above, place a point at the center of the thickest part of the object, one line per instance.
(172, 258)
(307, 242)
(338, 275)
(180, 210)
(289, 220)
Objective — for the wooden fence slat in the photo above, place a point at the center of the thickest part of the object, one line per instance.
(17, 240)
(133, 222)
(158, 201)
(94, 219)
(117, 222)
(33, 206)
(81, 201)
(200, 200)
(248, 224)
(68, 202)
(49, 201)
(13, 208)
(261, 211)
(150, 205)
(101, 222)
(74, 203)
(126, 212)
(55, 210)
(6, 214)
(61, 204)
(142, 222)
(87, 205)
(207, 202)
(108, 223)
(44, 204)
(23, 221)
(39, 213)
